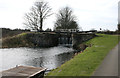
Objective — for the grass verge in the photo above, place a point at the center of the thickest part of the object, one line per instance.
(19, 40)
(85, 63)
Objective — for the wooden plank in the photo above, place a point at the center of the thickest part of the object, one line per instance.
(28, 71)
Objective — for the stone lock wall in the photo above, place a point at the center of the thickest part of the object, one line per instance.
(50, 40)
(43, 39)
(77, 39)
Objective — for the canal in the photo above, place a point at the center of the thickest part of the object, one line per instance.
(49, 58)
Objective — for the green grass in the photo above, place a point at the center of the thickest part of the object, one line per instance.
(22, 34)
(16, 41)
(85, 63)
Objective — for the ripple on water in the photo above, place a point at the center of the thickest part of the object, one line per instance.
(40, 57)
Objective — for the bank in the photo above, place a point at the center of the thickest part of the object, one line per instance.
(30, 39)
(85, 63)
(46, 39)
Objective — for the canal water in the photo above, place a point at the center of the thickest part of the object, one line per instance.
(49, 58)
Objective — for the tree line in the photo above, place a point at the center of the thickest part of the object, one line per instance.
(6, 32)
(41, 11)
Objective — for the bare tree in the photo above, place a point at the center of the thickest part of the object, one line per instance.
(66, 19)
(38, 13)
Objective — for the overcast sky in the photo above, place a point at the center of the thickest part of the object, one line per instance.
(90, 13)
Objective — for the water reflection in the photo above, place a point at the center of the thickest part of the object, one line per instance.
(50, 62)
(49, 58)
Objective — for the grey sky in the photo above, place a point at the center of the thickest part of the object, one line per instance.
(119, 12)
(90, 13)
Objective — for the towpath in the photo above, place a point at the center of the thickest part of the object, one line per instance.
(109, 66)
